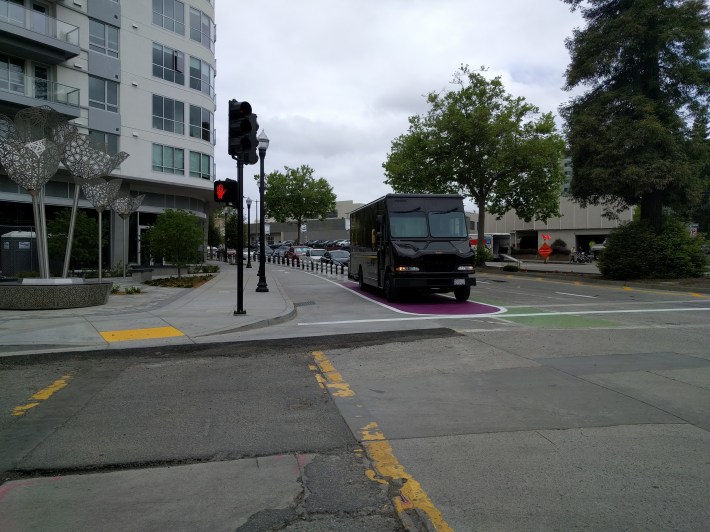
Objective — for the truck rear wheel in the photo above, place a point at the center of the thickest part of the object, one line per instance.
(390, 292)
(462, 293)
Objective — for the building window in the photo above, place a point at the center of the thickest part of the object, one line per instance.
(12, 74)
(168, 114)
(106, 141)
(13, 12)
(169, 14)
(168, 64)
(201, 123)
(103, 38)
(103, 94)
(202, 29)
(200, 165)
(201, 76)
(168, 160)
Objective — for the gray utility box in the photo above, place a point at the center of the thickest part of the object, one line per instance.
(19, 253)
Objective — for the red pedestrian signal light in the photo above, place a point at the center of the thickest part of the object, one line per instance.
(225, 191)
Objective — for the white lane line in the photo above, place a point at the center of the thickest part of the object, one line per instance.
(576, 295)
(504, 316)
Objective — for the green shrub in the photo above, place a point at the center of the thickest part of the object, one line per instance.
(483, 255)
(633, 251)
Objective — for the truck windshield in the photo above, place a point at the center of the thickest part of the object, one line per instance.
(440, 225)
(448, 224)
(408, 225)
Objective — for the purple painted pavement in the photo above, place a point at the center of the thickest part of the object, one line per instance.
(427, 303)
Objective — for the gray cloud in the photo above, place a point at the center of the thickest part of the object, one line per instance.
(334, 81)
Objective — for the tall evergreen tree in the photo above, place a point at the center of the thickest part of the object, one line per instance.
(646, 66)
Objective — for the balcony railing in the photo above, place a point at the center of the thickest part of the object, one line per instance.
(38, 22)
(39, 89)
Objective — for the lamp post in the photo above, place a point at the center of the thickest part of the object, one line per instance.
(248, 233)
(225, 211)
(263, 145)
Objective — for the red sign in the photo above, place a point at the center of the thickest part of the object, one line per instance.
(545, 250)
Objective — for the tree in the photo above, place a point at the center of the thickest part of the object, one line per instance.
(176, 236)
(646, 66)
(295, 195)
(482, 143)
(214, 237)
(85, 251)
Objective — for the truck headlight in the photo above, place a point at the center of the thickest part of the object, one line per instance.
(465, 268)
(406, 269)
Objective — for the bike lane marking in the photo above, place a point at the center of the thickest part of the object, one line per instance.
(410, 496)
(42, 395)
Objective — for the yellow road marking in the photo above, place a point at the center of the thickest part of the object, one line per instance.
(42, 395)
(140, 334)
(389, 471)
(333, 379)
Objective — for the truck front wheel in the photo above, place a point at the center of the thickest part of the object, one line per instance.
(462, 293)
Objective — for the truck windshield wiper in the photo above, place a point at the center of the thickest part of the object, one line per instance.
(445, 212)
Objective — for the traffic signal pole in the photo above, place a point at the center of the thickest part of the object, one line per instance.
(242, 146)
(240, 238)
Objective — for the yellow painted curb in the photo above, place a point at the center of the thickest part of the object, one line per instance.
(140, 334)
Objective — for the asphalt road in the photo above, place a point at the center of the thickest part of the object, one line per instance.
(570, 405)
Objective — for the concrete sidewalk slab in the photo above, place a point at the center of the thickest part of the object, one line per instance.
(209, 496)
(185, 315)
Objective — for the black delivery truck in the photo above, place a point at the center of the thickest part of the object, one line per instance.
(404, 243)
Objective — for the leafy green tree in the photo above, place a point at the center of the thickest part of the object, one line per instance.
(85, 250)
(482, 143)
(230, 230)
(296, 195)
(645, 65)
(214, 237)
(176, 236)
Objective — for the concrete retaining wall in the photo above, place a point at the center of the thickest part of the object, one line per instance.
(14, 296)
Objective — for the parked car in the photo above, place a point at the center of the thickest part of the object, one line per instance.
(296, 252)
(337, 257)
(596, 249)
(314, 255)
(280, 252)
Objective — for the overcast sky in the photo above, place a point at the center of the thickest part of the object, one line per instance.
(334, 81)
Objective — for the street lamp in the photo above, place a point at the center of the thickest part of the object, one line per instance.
(225, 211)
(263, 145)
(248, 233)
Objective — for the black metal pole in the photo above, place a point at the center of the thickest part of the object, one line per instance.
(261, 285)
(225, 234)
(249, 234)
(240, 238)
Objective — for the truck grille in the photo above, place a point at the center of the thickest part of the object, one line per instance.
(439, 263)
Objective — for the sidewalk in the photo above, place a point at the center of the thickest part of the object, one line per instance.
(168, 316)
(156, 316)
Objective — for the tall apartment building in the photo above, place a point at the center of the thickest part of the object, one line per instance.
(136, 75)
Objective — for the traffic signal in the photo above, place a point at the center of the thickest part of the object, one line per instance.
(225, 191)
(243, 128)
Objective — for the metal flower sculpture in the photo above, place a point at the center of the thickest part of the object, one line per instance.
(124, 206)
(30, 152)
(101, 194)
(85, 161)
